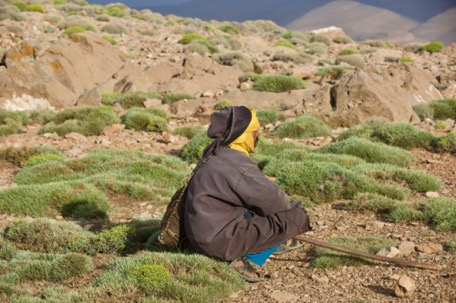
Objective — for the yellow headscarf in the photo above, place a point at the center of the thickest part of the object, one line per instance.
(245, 143)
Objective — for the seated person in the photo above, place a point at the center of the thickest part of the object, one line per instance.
(233, 212)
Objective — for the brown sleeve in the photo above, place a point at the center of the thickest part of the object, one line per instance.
(261, 195)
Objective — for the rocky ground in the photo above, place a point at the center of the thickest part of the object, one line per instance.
(292, 278)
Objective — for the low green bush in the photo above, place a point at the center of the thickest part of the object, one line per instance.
(317, 48)
(110, 39)
(89, 121)
(77, 22)
(305, 126)
(402, 135)
(277, 83)
(193, 150)
(347, 51)
(229, 28)
(267, 148)
(444, 109)
(353, 60)
(298, 58)
(372, 202)
(135, 98)
(424, 111)
(303, 155)
(117, 10)
(74, 30)
(170, 98)
(42, 158)
(342, 40)
(446, 143)
(176, 277)
(222, 104)
(114, 28)
(451, 246)
(326, 258)
(187, 38)
(110, 98)
(47, 235)
(285, 44)
(20, 5)
(433, 47)
(321, 39)
(371, 152)
(20, 155)
(187, 131)
(376, 43)
(440, 213)
(42, 116)
(51, 267)
(334, 72)
(267, 116)
(70, 265)
(145, 119)
(417, 180)
(12, 122)
(150, 276)
(11, 12)
(406, 59)
(35, 7)
(110, 240)
(325, 182)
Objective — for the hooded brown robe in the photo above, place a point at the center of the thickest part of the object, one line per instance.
(228, 186)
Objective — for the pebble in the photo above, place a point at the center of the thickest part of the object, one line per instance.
(405, 287)
(406, 248)
(391, 252)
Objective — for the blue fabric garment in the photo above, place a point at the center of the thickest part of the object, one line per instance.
(261, 257)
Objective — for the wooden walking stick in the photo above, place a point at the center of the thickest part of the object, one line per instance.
(400, 262)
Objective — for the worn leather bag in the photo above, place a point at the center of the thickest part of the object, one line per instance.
(172, 232)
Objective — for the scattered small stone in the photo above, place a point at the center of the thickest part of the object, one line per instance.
(283, 296)
(390, 252)
(144, 216)
(406, 248)
(405, 287)
(432, 161)
(395, 277)
(321, 280)
(152, 102)
(320, 223)
(429, 248)
(432, 194)
(76, 137)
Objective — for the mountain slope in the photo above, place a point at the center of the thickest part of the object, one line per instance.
(365, 22)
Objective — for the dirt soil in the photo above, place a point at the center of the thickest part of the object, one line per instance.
(292, 278)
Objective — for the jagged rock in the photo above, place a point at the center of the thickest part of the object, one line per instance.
(405, 287)
(406, 248)
(76, 137)
(429, 248)
(450, 91)
(389, 94)
(152, 103)
(61, 73)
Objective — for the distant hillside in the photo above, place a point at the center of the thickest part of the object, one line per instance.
(398, 21)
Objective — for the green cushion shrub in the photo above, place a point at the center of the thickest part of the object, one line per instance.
(402, 135)
(433, 47)
(371, 152)
(267, 116)
(145, 119)
(305, 126)
(347, 51)
(446, 143)
(12, 122)
(277, 83)
(193, 150)
(326, 182)
(89, 121)
(187, 38)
